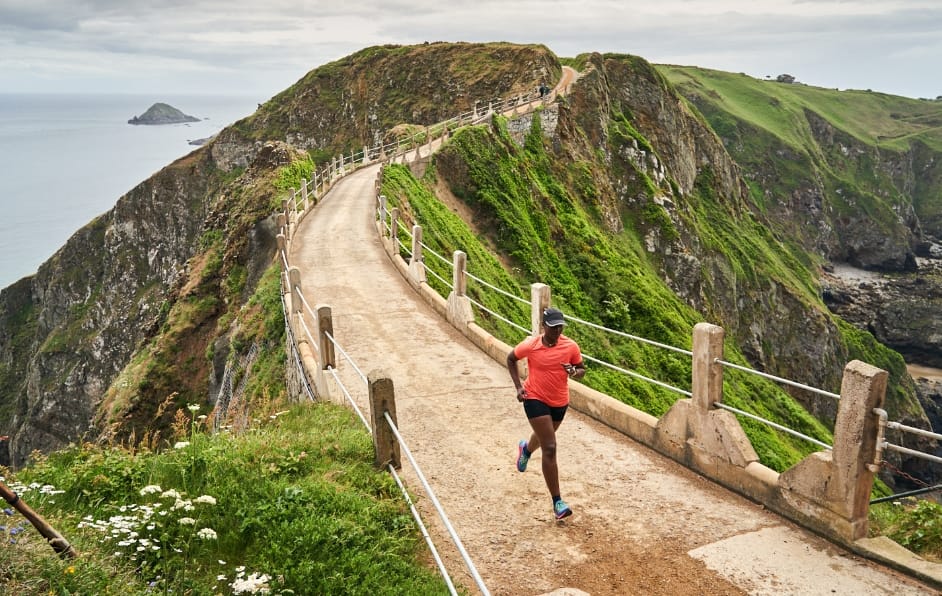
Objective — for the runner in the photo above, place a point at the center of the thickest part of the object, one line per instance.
(552, 358)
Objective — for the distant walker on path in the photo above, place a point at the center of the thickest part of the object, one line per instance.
(552, 358)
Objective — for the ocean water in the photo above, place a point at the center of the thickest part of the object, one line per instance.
(66, 159)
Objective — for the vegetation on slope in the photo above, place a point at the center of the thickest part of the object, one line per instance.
(770, 126)
(547, 233)
(292, 505)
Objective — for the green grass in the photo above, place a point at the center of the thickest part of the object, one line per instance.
(916, 524)
(295, 498)
(524, 210)
(888, 120)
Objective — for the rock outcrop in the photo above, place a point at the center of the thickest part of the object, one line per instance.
(161, 113)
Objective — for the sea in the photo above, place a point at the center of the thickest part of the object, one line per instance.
(67, 158)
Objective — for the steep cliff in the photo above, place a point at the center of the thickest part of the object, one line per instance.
(856, 178)
(145, 309)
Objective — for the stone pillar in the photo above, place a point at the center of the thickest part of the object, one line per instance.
(540, 295)
(707, 382)
(382, 214)
(294, 278)
(416, 263)
(382, 400)
(325, 347)
(458, 280)
(288, 218)
(394, 228)
(283, 257)
(831, 489)
(326, 355)
(856, 427)
(304, 197)
(459, 306)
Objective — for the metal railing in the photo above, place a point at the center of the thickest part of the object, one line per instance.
(385, 215)
(304, 199)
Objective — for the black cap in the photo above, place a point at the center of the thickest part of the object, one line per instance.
(553, 317)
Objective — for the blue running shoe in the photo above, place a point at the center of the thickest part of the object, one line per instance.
(561, 509)
(522, 456)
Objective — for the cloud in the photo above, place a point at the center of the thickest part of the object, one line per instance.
(262, 47)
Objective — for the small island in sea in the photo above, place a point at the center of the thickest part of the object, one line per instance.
(161, 113)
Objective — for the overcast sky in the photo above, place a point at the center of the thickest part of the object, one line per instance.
(260, 47)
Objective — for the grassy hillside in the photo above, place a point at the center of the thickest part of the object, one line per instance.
(291, 504)
(875, 118)
(868, 151)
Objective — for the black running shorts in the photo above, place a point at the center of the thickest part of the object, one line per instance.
(535, 408)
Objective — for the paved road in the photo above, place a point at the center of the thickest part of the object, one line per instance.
(642, 524)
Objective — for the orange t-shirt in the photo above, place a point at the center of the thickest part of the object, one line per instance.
(547, 380)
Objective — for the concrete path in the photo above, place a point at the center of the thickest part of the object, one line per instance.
(642, 524)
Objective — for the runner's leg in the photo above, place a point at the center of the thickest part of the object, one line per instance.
(544, 435)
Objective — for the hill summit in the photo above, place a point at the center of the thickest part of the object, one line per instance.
(161, 113)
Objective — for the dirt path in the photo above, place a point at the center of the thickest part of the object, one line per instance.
(642, 523)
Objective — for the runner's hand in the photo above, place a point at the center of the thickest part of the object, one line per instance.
(521, 394)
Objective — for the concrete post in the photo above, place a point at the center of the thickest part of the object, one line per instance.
(382, 400)
(382, 214)
(540, 295)
(289, 217)
(458, 280)
(326, 358)
(283, 250)
(366, 155)
(394, 228)
(831, 489)
(707, 382)
(304, 197)
(294, 279)
(863, 388)
(282, 246)
(416, 263)
(459, 305)
(325, 347)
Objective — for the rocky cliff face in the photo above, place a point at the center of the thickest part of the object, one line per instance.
(139, 313)
(859, 193)
(776, 325)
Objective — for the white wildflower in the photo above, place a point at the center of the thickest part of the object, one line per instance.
(170, 494)
(206, 499)
(253, 584)
(150, 488)
(185, 505)
(181, 444)
(193, 407)
(207, 534)
(187, 521)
